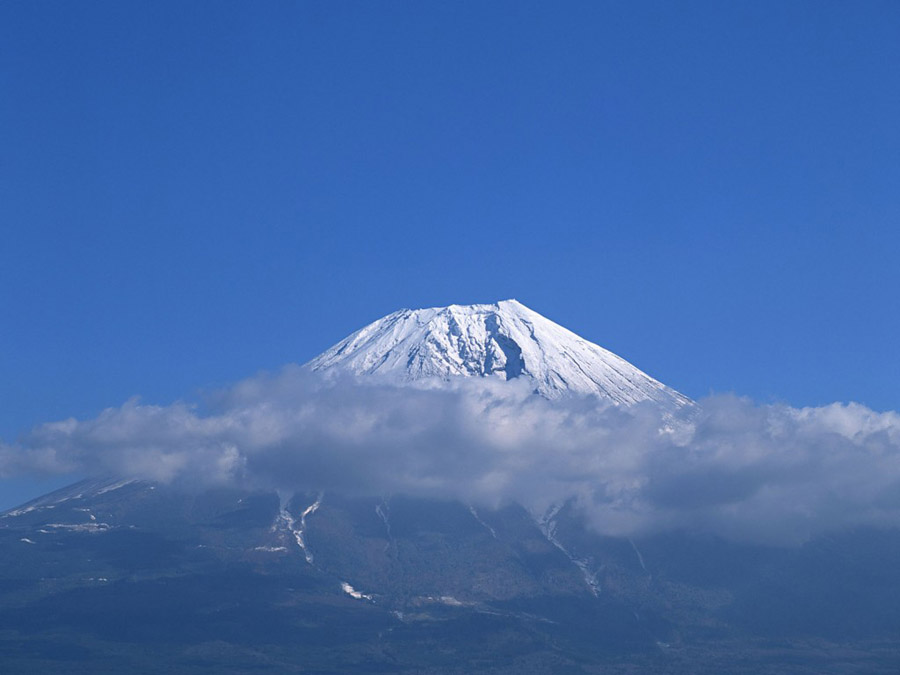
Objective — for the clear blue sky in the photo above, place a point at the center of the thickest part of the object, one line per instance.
(192, 192)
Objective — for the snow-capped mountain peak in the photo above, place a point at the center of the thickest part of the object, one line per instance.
(505, 340)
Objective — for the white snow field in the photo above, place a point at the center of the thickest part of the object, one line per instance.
(504, 340)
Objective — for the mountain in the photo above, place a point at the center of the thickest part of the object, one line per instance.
(505, 340)
(112, 575)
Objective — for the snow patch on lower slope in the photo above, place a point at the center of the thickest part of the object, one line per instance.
(286, 521)
(353, 593)
(82, 489)
(638, 553)
(92, 527)
(27, 509)
(383, 511)
(477, 517)
(548, 525)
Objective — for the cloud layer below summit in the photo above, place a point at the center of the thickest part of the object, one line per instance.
(765, 473)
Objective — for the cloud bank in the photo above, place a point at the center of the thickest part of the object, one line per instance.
(767, 473)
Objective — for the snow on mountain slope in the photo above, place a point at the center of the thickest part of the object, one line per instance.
(505, 340)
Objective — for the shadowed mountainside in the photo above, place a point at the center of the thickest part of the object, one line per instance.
(105, 576)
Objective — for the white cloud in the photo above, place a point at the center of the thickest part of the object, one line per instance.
(765, 473)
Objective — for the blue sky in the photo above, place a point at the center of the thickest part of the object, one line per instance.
(193, 192)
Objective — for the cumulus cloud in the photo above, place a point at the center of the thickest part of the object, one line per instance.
(768, 473)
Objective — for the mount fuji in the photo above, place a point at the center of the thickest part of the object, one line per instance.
(116, 575)
(505, 340)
